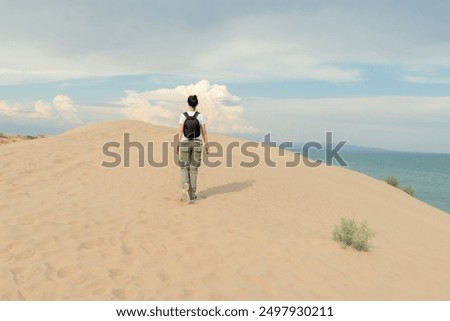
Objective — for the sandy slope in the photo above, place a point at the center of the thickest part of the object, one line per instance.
(71, 229)
(7, 139)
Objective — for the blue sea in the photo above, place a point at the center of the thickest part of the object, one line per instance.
(428, 174)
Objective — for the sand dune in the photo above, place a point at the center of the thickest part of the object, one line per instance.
(7, 139)
(73, 230)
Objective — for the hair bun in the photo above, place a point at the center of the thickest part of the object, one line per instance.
(192, 101)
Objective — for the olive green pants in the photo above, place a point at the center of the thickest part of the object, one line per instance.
(190, 160)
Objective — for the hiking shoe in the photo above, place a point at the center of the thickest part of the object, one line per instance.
(193, 199)
(185, 193)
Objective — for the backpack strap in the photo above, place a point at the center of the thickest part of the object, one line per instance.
(191, 117)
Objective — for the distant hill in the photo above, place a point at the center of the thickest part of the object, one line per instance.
(297, 146)
(351, 148)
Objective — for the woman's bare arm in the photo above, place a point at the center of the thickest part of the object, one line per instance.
(205, 138)
(180, 135)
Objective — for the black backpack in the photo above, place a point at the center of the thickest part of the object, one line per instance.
(191, 128)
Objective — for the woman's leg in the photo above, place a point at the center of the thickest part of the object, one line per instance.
(184, 168)
(194, 164)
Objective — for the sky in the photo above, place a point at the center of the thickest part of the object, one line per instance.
(375, 73)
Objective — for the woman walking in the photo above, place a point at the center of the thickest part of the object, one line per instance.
(191, 129)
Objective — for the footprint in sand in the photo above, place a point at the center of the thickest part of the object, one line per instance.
(7, 165)
(190, 250)
(15, 248)
(20, 274)
(59, 161)
(165, 277)
(68, 271)
(99, 291)
(124, 294)
(22, 295)
(26, 254)
(119, 294)
(113, 241)
(129, 259)
(127, 250)
(5, 256)
(91, 244)
(96, 287)
(48, 244)
(82, 278)
(115, 273)
(26, 221)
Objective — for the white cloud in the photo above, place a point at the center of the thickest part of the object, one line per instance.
(393, 122)
(222, 110)
(7, 110)
(427, 80)
(61, 108)
(230, 40)
(64, 106)
(398, 123)
(41, 109)
(246, 59)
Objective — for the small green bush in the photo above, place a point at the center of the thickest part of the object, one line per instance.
(349, 233)
(30, 137)
(409, 190)
(392, 180)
